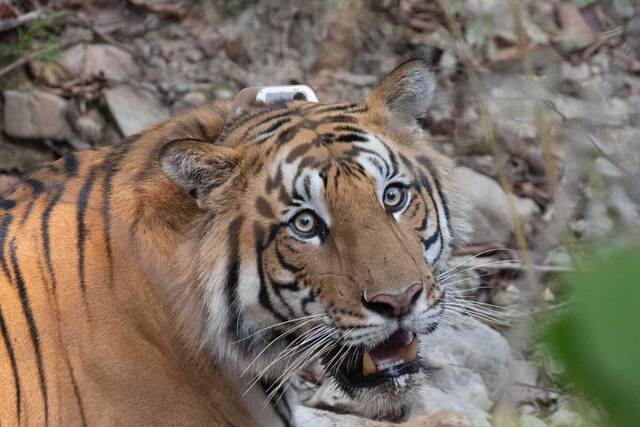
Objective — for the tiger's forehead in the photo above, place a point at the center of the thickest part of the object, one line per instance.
(286, 119)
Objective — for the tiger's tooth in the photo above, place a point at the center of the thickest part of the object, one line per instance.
(411, 351)
(368, 367)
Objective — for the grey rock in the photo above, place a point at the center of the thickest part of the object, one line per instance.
(457, 348)
(531, 421)
(90, 126)
(133, 110)
(22, 157)
(563, 417)
(470, 365)
(435, 400)
(490, 214)
(89, 60)
(35, 115)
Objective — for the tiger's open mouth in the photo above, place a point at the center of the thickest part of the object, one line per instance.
(394, 357)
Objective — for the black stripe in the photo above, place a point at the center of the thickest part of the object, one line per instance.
(7, 204)
(347, 128)
(438, 233)
(351, 137)
(263, 294)
(4, 232)
(76, 389)
(427, 163)
(231, 285)
(254, 126)
(83, 201)
(70, 165)
(36, 188)
(248, 117)
(265, 389)
(46, 244)
(33, 330)
(111, 165)
(12, 361)
(275, 126)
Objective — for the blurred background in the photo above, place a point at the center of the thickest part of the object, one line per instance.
(538, 102)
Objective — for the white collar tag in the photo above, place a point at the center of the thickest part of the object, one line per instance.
(269, 94)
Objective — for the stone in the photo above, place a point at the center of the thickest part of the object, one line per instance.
(531, 421)
(91, 60)
(23, 157)
(7, 184)
(526, 208)
(133, 109)
(195, 98)
(565, 418)
(469, 346)
(490, 215)
(576, 33)
(90, 126)
(211, 42)
(35, 114)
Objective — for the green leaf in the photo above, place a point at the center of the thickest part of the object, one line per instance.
(599, 340)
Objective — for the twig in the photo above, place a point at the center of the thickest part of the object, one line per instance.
(608, 157)
(500, 265)
(10, 24)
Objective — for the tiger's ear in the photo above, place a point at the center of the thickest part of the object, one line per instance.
(406, 92)
(199, 167)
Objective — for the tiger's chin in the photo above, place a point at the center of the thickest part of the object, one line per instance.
(380, 381)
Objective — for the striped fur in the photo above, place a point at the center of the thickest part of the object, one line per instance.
(138, 282)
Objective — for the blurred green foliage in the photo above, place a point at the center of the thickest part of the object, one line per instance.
(42, 30)
(598, 340)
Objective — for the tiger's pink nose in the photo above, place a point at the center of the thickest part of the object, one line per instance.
(395, 305)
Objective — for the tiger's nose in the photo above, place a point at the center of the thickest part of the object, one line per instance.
(394, 305)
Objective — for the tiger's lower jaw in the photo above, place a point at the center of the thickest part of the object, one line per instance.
(378, 380)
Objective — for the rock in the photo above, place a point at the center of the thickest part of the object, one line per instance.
(22, 157)
(90, 126)
(526, 208)
(133, 110)
(531, 421)
(490, 214)
(223, 93)
(237, 52)
(457, 348)
(435, 400)
(195, 98)
(35, 115)
(565, 418)
(48, 72)
(211, 42)
(90, 60)
(329, 396)
(508, 297)
(576, 33)
(7, 184)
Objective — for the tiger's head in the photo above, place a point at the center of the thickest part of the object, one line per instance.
(321, 232)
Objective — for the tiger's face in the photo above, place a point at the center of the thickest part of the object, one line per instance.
(337, 219)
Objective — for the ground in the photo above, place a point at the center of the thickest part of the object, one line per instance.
(538, 102)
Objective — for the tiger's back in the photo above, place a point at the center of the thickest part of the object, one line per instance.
(71, 281)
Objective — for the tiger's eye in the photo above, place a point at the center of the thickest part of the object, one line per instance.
(393, 196)
(305, 222)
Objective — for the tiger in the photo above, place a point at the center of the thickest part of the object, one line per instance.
(186, 275)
